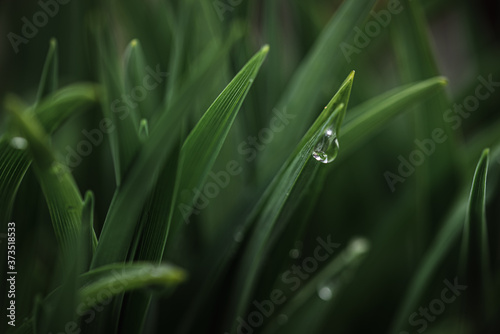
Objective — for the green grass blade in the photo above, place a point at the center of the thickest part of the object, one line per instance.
(371, 115)
(90, 238)
(97, 286)
(323, 62)
(51, 113)
(136, 77)
(294, 177)
(132, 277)
(143, 129)
(475, 235)
(65, 102)
(50, 73)
(474, 252)
(119, 106)
(151, 242)
(61, 193)
(204, 143)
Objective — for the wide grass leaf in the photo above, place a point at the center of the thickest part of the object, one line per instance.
(204, 143)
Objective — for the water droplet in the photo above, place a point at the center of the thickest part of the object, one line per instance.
(294, 253)
(326, 291)
(250, 80)
(359, 246)
(19, 143)
(282, 319)
(327, 148)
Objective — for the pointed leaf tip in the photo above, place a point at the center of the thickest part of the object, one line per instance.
(443, 81)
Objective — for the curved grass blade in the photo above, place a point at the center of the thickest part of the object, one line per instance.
(132, 277)
(475, 235)
(109, 281)
(118, 229)
(474, 253)
(61, 193)
(63, 103)
(51, 113)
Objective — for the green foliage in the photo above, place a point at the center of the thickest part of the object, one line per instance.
(214, 185)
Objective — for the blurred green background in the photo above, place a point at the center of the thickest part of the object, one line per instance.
(354, 198)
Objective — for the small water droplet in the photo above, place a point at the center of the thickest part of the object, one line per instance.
(325, 293)
(327, 148)
(19, 143)
(282, 319)
(250, 80)
(359, 246)
(294, 253)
